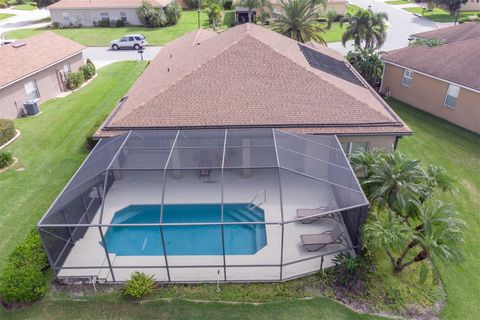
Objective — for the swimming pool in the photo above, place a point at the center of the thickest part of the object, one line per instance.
(186, 240)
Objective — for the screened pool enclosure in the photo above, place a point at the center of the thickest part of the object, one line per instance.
(205, 205)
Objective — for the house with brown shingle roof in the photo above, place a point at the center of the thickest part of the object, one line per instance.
(91, 12)
(442, 80)
(252, 77)
(35, 68)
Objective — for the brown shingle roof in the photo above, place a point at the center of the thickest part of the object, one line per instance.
(89, 4)
(457, 62)
(461, 32)
(37, 52)
(249, 76)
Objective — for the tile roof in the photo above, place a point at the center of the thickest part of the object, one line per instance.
(461, 32)
(457, 62)
(31, 54)
(249, 76)
(89, 4)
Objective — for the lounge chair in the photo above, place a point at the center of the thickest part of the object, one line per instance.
(318, 213)
(315, 242)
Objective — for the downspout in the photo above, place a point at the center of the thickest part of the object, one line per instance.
(397, 138)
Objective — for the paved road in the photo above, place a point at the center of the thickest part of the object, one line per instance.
(23, 19)
(402, 25)
(103, 56)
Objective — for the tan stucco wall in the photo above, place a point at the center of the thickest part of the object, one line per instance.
(13, 96)
(86, 17)
(386, 143)
(471, 5)
(428, 94)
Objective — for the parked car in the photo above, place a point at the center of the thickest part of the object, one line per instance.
(130, 41)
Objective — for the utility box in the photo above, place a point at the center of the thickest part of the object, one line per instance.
(31, 106)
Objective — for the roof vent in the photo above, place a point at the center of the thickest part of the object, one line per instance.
(18, 44)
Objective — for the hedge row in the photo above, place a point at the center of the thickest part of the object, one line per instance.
(7, 130)
(85, 72)
(24, 278)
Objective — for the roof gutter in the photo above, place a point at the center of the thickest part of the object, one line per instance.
(431, 76)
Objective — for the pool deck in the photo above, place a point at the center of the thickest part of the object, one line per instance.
(239, 187)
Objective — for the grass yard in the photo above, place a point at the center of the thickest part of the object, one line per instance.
(5, 15)
(438, 142)
(51, 149)
(98, 37)
(336, 32)
(27, 5)
(440, 15)
(397, 2)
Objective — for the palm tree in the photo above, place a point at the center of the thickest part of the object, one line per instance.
(298, 21)
(368, 63)
(438, 236)
(365, 26)
(376, 31)
(396, 181)
(365, 161)
(264, 8)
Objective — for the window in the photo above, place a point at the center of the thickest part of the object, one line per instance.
(124, 39)
(65, 16)
(131, 39)
(105, 16)
(451, 96)
(407, 77)
(32, 90)
(123, 16)
(353, 147)
(66, 68)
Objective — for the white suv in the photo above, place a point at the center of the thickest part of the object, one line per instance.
(135, 41)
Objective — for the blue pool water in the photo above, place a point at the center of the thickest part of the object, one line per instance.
(186, 240)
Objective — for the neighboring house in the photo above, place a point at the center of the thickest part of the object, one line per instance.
(442, 80)
(251, 77)
(471, 5)
(92, 12)
(35, 68)
(339, 6)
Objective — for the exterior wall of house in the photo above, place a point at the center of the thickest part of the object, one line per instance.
(428, 94)
(386, 143)
(87, 17)
(48, 82)
(471, 5)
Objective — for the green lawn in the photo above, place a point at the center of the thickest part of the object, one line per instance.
(397, 2)
(438, 142)
(440, 15)
(336, 32)
(51, 149)
(97, 37)
(27, 5)
(5, 15)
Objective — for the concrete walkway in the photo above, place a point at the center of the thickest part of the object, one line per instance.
(402, 25)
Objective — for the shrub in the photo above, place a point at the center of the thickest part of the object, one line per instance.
(7, 130)
(88, 70)
(23, 277)
(119, 23)
(20, 1)
(55, 25)
(103, 23)
(75, 79)
(228, 5)
(349, 271)
(173, 13)
(6, 159)
(92, 65)
(150, 16)
(139, 285)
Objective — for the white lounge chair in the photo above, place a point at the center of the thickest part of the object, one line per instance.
(315, 242)
(318, 213)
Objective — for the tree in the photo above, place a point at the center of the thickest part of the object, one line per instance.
(368, 63)
(264, 7)
(298, 21)
(331, 16)
(214, 10)
(151, 16)
(452, 5)
(45, 3)
(173, 13)
(365, 26)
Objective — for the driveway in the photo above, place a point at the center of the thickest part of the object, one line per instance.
(23, 19)
(102, 56)
(402, 24)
